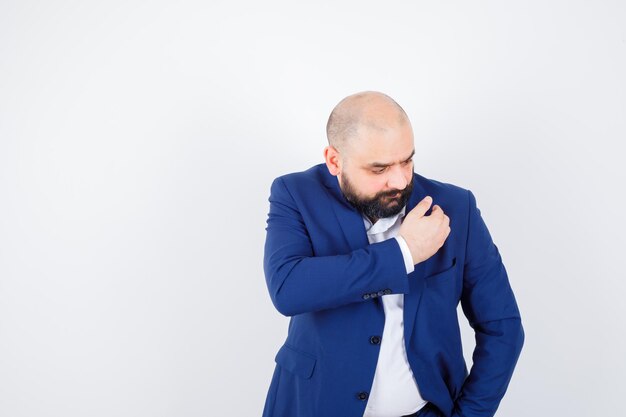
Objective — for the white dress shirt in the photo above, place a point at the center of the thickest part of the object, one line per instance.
(394, 391)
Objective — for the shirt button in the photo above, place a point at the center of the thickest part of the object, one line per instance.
(362, 395)
(375, 340)
(387, 291)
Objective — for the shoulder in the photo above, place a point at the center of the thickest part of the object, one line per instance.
(300, 182)
(451, 197)
(313, 176)
(445, 190)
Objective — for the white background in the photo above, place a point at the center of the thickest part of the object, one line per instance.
(138, 141)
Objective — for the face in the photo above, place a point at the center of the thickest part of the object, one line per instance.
(376, 171)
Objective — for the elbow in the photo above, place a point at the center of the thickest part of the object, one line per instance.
(515, 338)
(520, 338)
(509, 332)
(283, 304)
(514, 333)
(282, 300)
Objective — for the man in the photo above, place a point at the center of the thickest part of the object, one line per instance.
(371, 272)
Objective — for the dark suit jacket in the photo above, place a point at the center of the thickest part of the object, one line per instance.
(322, 272)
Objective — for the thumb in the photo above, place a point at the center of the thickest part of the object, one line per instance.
(422, 206)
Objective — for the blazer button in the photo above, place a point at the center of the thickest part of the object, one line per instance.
(362, 395)
(366, 296)
(381, 292)
(387, 291)
(375, 340)
(373, 295)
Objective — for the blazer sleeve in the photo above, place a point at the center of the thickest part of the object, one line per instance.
(491, 309)
(299, 282)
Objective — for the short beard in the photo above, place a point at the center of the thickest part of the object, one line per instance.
(377, 207)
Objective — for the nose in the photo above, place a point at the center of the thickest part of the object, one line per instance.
(397, 180)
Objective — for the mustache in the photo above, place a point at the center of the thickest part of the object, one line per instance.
(391, 193)
(394, 193)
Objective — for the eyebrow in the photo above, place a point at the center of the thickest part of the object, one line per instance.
(383, 165)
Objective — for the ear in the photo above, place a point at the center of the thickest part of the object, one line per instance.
(333, 160)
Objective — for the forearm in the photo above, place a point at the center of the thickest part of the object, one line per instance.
(299, 284)
(498, 346)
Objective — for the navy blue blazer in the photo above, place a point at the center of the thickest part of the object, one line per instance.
(321, 271)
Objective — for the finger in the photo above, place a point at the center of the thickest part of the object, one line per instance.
(437, 212)
(422, 206)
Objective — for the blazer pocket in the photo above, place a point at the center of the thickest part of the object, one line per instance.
(448, 266)
(295, 361)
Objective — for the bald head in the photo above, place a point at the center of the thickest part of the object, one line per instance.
(367, 110)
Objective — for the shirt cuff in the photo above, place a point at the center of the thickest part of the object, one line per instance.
(406, 254)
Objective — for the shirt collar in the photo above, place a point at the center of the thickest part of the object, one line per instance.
(382, 225)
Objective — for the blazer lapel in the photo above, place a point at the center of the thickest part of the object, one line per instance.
(416, 278)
